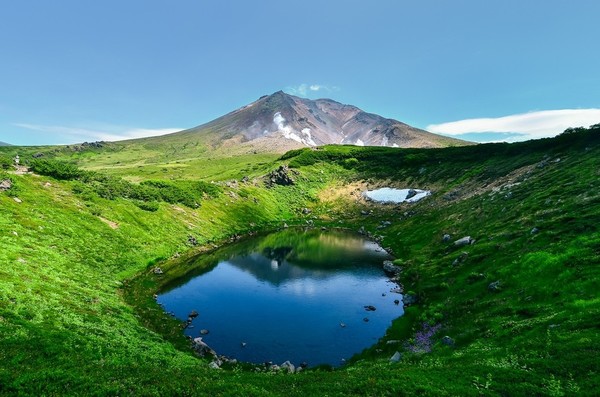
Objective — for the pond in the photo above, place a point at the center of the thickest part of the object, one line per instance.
(307, 296)
(391, 195)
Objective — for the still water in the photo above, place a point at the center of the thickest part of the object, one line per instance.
(296, 295)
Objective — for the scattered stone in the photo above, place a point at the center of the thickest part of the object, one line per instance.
(157, 270)
(467, 240)
(494, 286)
(193, 314)
(214, 365)
(245, 179)
(535, 230)
(448, 341)
(204, 332)
(192, 240)
(306, 211)
(5, 184)
(288, 366)
(396, 357)
(389, 267)
(370, 308)
(18, 200)
(446, 238)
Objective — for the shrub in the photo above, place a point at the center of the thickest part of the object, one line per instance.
(57, 169)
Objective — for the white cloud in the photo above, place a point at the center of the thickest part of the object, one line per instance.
(520, 127)
(305, 89)
(112, 133)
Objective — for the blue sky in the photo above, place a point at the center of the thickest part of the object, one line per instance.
(74, 70)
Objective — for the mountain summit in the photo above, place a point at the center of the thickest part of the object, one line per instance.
(280, 122)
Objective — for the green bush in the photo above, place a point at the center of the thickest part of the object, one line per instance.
(5, 162)
(150, 206)
(57, 169)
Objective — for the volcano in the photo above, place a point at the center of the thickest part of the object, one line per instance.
(280, 122)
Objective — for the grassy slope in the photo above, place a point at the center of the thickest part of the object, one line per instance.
(65, 328)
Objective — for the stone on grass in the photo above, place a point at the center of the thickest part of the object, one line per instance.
(396, 357)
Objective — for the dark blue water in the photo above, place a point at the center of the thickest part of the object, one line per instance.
(286, 295)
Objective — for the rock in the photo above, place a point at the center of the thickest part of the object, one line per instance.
(306, 211)
(5, 184)
(362, 230)
(448, 341)
(157, 270)
(464, 241)
(494, 286)
(389, 267)
(204, 332)
(366, 319)
(202, 348)
(364, 213)
(446, 238)
(288, 366)
(370, 308)
(411, 193)
(243, 344)
(214, 365)
(245, 179)
(193, 314)
(285, 226)
(192, 240)
(393, 342)
(535, 230)
(303, 364)
(299, 369)
(274, 368)
(396, 301)
(18, 200)
(396, 357)
(343, 325)
(280, 176)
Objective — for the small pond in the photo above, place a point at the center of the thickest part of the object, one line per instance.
(297, 295)
(391, 195)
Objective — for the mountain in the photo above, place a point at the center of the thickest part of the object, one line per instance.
(280, 122)
(5, 144)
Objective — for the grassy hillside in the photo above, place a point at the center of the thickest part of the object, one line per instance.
(520, 304)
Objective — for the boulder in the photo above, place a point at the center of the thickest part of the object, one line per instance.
(464, 241)
(17, 200)
(288, 366)
(411, 193)
(5, 184)
(495, 286)
(157, 270)
(448, 341)
(389, 267)
(193, 314)
(214, 365)
(204, 332)
(396, 357)
(202, 348)
(370, 308)
(281, 176)
(446, 238)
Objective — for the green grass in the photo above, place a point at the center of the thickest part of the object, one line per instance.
(77, 314)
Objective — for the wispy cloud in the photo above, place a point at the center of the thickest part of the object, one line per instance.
(519, 127)
(112, 133)
(306, 89)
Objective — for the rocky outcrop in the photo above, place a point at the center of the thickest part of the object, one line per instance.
(281, 176)
(202, 348)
